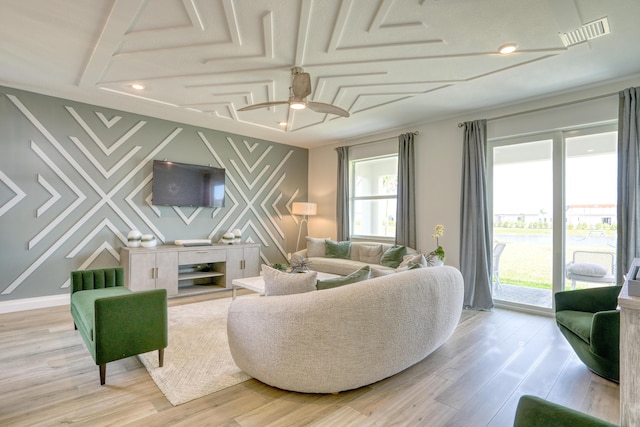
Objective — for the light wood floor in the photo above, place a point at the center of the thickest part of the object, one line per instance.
(48, 378)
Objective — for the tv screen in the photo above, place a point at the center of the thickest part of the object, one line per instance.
(180, 184)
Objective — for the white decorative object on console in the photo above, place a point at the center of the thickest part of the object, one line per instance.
(148, 241)
(133, 239)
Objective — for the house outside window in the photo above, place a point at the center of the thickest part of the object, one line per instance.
(374, 185)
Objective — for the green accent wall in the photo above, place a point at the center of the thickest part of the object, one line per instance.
(76, 178)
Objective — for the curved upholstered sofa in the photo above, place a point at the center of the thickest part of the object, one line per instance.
(343, 338)
(360, 254)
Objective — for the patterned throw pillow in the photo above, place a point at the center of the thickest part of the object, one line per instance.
(277, 282)
(356, 276)
(337, 249)
(393, 256)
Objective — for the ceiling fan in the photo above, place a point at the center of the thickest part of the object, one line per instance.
(298, 92)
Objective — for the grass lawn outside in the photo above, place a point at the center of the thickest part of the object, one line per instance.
(530, 263)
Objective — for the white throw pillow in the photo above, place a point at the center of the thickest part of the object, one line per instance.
(277, 282)
(315, 247)
(409, 260)
(379, 272)
(370, 253)
(587, 269)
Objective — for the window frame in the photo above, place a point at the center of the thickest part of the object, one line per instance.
(353, 198)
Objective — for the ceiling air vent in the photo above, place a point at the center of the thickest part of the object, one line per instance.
(588, 31)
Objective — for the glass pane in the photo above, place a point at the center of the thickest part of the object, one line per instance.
(374, 217)
(590, 212)
(522, 223)
(376, 177)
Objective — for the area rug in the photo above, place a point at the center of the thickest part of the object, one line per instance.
(197, 360)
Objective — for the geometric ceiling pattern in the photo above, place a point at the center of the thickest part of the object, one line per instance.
(388, 62)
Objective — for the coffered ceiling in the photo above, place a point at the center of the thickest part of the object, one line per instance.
(390, 63)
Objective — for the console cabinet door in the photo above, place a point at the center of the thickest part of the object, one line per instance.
(154, 270)
(233, 267)
(242, 262)
(142, 271)
(167, 272)
(251, 262)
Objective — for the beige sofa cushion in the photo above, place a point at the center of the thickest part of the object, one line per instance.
(277, 282)
(369, 253)
(315, 247)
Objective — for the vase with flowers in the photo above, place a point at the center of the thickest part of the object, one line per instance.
(436, 256)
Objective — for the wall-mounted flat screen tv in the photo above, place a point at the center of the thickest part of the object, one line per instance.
(181, 184)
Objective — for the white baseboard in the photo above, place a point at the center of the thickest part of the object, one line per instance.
(33, 303)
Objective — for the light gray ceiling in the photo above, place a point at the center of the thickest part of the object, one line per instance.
(390, 63)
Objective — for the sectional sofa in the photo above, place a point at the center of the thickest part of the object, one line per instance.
(322, 258)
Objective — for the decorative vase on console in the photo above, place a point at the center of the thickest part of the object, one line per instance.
(134, 239)
(148, 241)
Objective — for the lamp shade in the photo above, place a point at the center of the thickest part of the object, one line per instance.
(304, 208)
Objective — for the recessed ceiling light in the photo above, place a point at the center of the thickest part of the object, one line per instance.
(508, 48)
(137, 86)
(282, 123)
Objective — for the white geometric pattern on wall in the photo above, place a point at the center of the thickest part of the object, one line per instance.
(85, 181)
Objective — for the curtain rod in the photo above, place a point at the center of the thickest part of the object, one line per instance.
(535, 110)
(415, 132)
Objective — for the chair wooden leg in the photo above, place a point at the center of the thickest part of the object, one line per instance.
(160, 357)
(103, 373)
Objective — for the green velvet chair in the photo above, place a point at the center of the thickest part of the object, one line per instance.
(535, 412)
(590, 322)
(115, 322)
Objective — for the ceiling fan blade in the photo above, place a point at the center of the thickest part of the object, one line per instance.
(262, 105)
(301, 85)
(321, 107)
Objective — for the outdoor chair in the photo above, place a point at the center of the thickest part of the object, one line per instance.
(495, 274)
(592, 267)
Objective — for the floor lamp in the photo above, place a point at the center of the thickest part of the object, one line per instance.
(305, 209)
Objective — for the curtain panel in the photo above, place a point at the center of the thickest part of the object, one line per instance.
(406, 198)
(628, 181)
(475, 234)
(342, 202)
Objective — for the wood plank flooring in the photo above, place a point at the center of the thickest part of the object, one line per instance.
(48, 378)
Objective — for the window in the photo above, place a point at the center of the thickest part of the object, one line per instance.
(554, 204)
(374, 185)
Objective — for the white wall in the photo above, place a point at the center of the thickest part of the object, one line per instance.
(439, 154)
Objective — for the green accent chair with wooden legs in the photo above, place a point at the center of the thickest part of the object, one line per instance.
(535, 412)
(590, 322)
(115, 322)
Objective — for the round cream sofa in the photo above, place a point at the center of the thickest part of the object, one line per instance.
(347, 337)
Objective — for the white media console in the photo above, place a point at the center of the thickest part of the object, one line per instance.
(186, 270)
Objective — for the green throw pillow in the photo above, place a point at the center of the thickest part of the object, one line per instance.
(337, 249)
(393, 256)
(356, 276)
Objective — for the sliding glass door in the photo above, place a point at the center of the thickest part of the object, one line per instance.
(554, 214)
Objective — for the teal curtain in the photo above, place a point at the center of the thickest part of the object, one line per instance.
(406, 199)
(475, 234)
(628, 181)
(342, 202)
